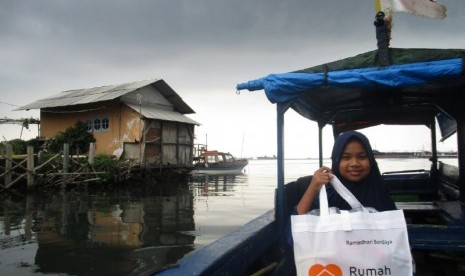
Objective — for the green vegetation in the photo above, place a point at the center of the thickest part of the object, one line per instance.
(105, 163)
(20, 146)
(77, 137)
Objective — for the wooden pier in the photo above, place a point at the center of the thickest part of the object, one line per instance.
(59, 169)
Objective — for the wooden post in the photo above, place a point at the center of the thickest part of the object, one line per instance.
(65, 158)
(28, 217)
(30, 167)
(91, 153)
(6, 217)
(64, 212)
(8, 164)
(40, 157)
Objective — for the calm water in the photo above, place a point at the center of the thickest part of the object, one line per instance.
(123, 231)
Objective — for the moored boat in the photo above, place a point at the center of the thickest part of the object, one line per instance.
(213, 162)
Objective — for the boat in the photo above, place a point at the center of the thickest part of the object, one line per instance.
(213, 162)
(395, 86)
(266, 157)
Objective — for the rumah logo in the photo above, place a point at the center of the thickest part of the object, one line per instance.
(321, 270)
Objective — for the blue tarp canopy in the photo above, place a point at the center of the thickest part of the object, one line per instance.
(421, 82)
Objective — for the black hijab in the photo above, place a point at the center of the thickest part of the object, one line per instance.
(370, 191)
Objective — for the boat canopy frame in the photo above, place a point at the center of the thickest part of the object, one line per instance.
(342, 104)
(419, 87)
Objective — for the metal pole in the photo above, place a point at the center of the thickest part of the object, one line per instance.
(382, 37)
(320, 144)
(461, 156)
(434, 159)
(280, 203)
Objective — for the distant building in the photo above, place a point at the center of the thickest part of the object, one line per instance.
(143, 120)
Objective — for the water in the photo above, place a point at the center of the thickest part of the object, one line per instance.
(126, 231)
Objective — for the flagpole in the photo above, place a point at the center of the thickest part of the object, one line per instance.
(382, 37)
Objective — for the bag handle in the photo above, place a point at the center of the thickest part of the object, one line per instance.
(343, 192)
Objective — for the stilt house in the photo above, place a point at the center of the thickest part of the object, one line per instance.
(143, 120)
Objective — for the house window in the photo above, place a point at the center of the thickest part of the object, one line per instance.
(98, 124)
(105, 123)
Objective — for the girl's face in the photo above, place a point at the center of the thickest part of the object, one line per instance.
(354, 164)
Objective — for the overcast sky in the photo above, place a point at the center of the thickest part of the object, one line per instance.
(202, 49)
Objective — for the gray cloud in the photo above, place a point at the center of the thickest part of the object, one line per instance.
(201, 48)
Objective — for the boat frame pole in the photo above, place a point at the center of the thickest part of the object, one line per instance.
(279, 200)
(434, 148)
(461, 156)
(320, 144)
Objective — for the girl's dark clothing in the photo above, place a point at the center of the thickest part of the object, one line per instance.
(370, 191)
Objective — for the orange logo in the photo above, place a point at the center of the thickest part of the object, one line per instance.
(320, 270)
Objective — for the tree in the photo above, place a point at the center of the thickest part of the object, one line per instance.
(77, 137)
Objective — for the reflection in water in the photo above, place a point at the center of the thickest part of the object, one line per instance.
(104, 233)
(221, 205)
(113, 232)
(120, 232)
(216, 185)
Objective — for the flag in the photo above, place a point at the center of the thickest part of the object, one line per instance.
(426, 8)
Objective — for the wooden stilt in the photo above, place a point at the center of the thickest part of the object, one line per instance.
(30, 167)
(8, 164)
(91, 153)
(65, 158)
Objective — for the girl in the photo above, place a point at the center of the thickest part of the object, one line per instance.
(354, 164)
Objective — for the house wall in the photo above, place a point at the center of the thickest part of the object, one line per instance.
(168, 144)
(124, 124)
(164, 143)
(177, 143)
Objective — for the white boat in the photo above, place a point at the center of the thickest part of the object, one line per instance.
(213, 162)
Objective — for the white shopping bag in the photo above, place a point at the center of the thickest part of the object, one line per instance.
(350, 243)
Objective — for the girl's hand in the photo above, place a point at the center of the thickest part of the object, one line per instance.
(321, 177)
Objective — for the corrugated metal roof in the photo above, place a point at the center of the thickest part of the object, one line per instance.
(160, 114)
(109, 92)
